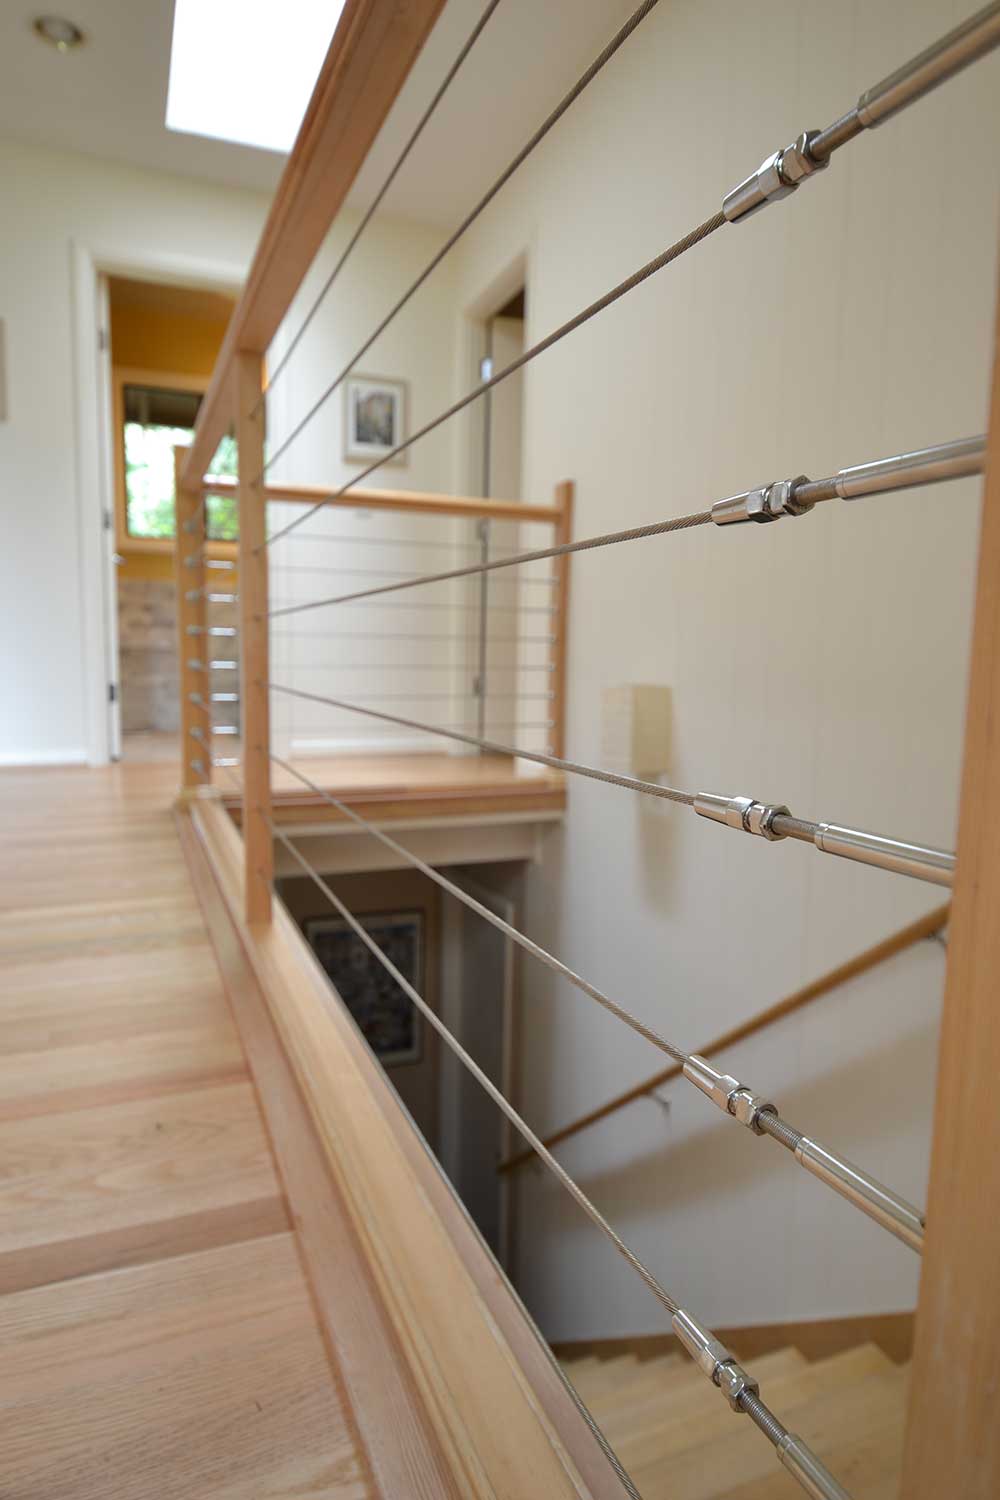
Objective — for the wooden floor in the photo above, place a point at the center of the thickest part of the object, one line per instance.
(157, 1337)
(385, 786)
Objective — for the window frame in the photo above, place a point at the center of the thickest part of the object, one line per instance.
(123, 375)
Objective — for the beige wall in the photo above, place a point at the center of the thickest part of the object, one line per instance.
(820, 662)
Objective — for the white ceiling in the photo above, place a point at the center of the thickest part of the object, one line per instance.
(108, 98)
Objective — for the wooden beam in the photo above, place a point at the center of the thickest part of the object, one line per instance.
(915, 932)
(254, 664)
(953, 1431)
(372, 51)
(418, 502)
(561, 567)
(191, 613)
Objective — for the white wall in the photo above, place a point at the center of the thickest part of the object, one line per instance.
(403, 654)
(820, 662)
(49, 576)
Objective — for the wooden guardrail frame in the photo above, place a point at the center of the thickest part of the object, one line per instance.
(454, 1393)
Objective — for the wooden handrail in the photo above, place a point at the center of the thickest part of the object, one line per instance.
(372, 51)
(860, 964)
(419, 502)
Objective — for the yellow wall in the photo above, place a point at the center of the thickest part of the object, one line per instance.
(176, 343)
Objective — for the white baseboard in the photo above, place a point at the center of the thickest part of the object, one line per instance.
(43, 758)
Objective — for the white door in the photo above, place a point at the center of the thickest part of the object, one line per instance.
(109, 553)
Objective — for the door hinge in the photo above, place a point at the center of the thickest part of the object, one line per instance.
(486, 368)
(107, 520)
(103, 341)
(112, 692)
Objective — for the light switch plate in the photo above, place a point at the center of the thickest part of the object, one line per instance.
(635, 729)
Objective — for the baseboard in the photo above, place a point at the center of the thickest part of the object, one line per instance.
(816, 1339)
(13, 758)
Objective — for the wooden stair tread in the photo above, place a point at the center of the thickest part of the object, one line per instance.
(704, 1413)
(684, 1395)
(130, 1182)
(204, 1375)
(863, 1412)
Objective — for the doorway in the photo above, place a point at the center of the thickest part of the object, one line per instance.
(160, 344)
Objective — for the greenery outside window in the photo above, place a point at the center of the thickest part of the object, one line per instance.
(155, 420)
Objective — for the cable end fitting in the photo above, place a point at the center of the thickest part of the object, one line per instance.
(741, 812)
(713, 1359)
(727, 1093)
(769, 502)
(775, 178)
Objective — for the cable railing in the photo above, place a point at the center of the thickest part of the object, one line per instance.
(926, 927)
(778, 177)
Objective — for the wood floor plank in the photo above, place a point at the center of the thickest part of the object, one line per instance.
(202, 1376)
(158, 1336)
(132, 1182)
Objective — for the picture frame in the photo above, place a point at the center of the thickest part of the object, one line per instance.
(375, 418)
(384, 1014)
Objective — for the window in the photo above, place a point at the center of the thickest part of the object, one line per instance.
(155, 421)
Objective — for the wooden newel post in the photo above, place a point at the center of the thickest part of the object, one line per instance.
(192, 643)
(563, 534)
(258, 848)
(953, 1427)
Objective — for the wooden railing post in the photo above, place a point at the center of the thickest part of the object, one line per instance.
(189, 576)
(258, 846)
(561, 569)
(953, 1428)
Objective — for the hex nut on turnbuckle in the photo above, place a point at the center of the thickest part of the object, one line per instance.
(733, 1381)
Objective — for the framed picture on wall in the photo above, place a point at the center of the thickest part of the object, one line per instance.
(387, 1019)
(374, 418)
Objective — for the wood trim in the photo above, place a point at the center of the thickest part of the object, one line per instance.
(370, 56)
(420, 502)
(402, 1454)
(499, 1414)
(399, 806)
(561, 568)
(953, 1435)
(190, 612)
(905, 938)
(255, 674)
(816, 1339)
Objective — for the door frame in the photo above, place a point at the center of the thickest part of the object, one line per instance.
(89, 263)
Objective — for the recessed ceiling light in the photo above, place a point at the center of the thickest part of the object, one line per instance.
(58, 32)
(243, 70)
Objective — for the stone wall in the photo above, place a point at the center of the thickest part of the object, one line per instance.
(147, 648)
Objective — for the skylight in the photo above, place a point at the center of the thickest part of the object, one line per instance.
(243, 70)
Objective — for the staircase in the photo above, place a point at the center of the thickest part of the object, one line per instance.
(678, 1439)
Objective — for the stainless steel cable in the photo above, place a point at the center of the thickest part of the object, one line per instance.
(584, 316)
(637, 16)
(631, 783)
(586, 544)
(549, 959)
(376, 202)
(499, 1099)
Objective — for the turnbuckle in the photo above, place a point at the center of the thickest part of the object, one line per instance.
(769, 502)
(742, 813)
(780, 174)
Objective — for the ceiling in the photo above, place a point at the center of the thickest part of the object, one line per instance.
(108, 97)
(189, 302)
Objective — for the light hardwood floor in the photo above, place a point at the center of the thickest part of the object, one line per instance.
(157, 1336)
